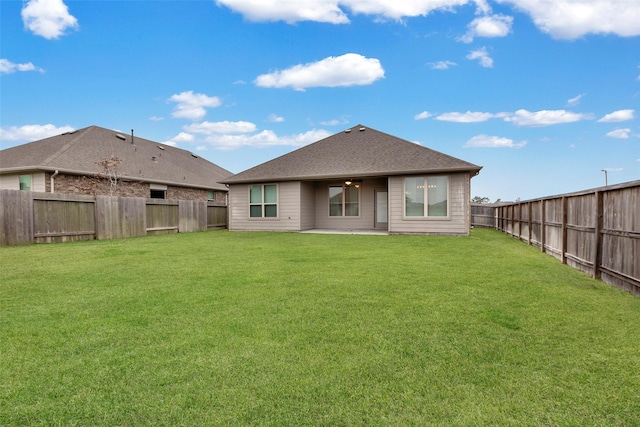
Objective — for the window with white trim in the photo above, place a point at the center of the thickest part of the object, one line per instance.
(426, 196)
(344, 200)
(263, 201)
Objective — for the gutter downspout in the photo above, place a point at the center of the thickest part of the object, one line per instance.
(53, 180)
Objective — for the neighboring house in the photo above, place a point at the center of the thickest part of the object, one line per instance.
(358, 179)
(81, 162)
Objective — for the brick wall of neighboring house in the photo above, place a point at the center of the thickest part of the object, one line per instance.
(76, 184)
(184, 193)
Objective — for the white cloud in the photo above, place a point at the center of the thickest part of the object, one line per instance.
(183, 137)
(442, 65)
(468, 117)
(170, 143)
(224, 127)
(422, 116)
(48, 18)
(545, 117)
(620, 133)
(8, 67)
(288, 11)
(335, 122)
(571, 19)
(488, 26)
(575, 101)
(398, 9)
(274, 118)
(350, 69)
(333, 11)
(228, 135)
(30, 133)
(156, 118)
(192, 105)
(486, 141)
(562, 19)
(266, 138)
(482, 56)
(618, 116)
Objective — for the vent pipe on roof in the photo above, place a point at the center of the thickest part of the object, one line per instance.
(132, 136)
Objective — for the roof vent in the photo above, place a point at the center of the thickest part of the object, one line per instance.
(194, 156)
(153, 158)
(347, 131)
(361, 129)
(120, 136)
(161, 147)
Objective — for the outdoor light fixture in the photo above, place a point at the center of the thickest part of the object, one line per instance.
(347, 182)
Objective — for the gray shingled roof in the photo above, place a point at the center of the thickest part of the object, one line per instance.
(77, 153)
(354, 153)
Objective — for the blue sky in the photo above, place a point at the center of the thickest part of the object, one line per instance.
(545, 95)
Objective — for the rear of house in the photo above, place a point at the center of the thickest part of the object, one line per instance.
(356, 180)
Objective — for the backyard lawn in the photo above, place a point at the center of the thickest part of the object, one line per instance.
(223, 328)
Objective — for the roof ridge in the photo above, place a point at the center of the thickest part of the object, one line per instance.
(66, 146)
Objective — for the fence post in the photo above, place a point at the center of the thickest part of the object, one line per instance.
(543, 229)
(563, 257)
(597, 256)
(529, 212)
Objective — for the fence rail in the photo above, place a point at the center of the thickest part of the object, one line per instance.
(29, 217)
(596, 231)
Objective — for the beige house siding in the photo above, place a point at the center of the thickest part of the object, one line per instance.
(12, 182)
(288, 209)
(458, 222)
(307, 205)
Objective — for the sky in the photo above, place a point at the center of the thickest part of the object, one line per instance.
(543, 94)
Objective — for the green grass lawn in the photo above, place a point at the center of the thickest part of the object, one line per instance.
(222, 328)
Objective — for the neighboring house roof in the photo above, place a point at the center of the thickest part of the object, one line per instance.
(79, 152)
(354, 153)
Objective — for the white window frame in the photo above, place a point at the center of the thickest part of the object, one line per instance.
(425, 215)
(262, 203)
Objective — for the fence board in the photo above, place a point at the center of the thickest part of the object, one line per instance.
(16, 220)
(193, 216)
(162, 216)
(62, 221)
(120, 217)
(216, 216)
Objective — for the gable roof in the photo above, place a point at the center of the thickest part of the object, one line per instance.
(354, 153)
(79, 151)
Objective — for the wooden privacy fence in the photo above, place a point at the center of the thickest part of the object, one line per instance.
(29, 217)
(596, 231)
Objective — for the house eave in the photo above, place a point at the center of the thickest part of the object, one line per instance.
(328, 177)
